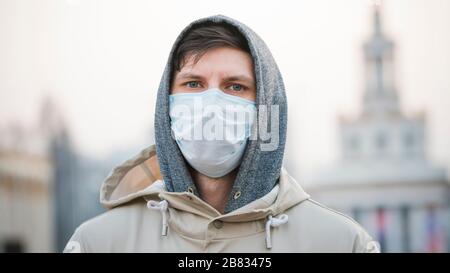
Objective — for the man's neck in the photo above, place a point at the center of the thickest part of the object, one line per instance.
(214, 191)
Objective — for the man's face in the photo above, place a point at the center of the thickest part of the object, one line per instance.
(226, 68)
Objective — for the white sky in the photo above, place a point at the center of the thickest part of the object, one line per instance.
(102, 61)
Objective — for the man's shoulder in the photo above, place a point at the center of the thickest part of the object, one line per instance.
(322, 221)
(95, 234)
(313, 210)
(119, 213)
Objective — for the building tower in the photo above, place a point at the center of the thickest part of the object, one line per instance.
(383, 177)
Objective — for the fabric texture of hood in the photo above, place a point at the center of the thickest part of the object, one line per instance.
(260, 168)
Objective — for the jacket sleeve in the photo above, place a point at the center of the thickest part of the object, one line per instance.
(365, 244)
(77, 243)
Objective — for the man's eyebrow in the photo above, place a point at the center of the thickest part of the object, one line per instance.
(189, 76)
(242, 78)
(193, 76)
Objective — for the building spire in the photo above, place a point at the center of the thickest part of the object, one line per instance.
(380, 96)
(376, 17)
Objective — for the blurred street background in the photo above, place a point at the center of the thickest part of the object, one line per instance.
(368, 87)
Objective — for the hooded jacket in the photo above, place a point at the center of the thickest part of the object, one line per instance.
(154, 205)
(144, 217)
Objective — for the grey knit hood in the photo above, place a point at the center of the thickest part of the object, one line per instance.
(261, 163)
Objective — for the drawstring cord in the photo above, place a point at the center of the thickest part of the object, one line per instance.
(274, 222)
(162, 207)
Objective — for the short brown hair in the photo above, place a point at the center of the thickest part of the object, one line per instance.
(202, 37)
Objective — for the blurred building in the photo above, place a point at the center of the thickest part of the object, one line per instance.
(26, 191)
(383, 178)
(76, 179)
(46, 188)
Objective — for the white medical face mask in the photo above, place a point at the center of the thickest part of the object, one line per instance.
(211, 129)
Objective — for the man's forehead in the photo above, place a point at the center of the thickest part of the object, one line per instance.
(225, 64)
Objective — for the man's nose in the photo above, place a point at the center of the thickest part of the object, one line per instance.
(214, 83)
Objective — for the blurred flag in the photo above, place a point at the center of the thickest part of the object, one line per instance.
(434, 236)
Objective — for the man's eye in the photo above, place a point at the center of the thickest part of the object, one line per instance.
(193, 84)
(236, 87)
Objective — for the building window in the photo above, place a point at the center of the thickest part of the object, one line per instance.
(381, 141)
(409, 140)
(353, 143)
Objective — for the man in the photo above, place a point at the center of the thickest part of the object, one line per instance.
(214, 181)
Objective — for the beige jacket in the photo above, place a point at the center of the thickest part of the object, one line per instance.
(144, 217)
